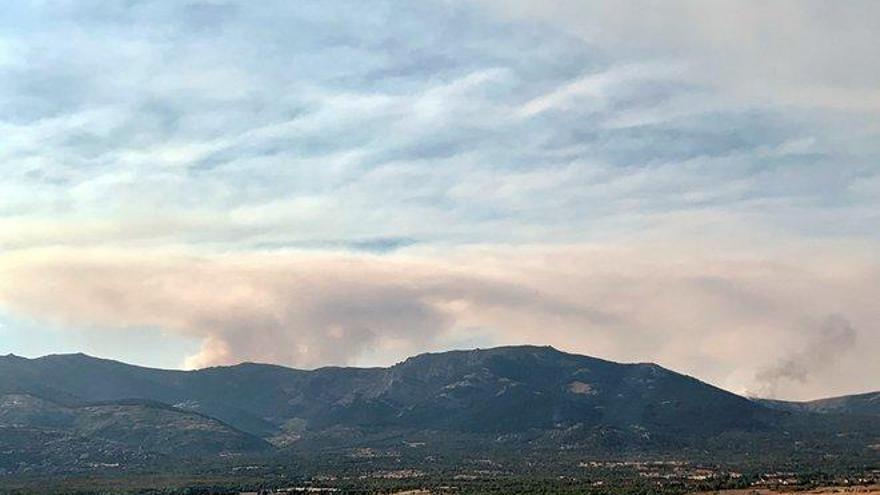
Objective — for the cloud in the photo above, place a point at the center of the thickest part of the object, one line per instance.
(647, 168)
(592, 90)
(795, 52)
(719, 317)
(304, 310)
(238, 126)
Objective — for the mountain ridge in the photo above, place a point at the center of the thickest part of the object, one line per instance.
(823, 404)
(450, 380)
(782, 404)
(867, 403)
(503, 399)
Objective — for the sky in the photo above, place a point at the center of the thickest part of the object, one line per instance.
(311, 183)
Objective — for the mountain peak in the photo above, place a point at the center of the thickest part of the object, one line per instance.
(67, 356)
(522, 349)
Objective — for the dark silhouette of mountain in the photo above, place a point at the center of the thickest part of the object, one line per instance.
(56, 438)
(507, 399)
(495, 390)
(865, 404)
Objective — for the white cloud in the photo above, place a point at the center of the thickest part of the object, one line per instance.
(592, 90)
(802, 52)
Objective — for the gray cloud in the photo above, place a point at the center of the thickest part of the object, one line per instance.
(825, 347)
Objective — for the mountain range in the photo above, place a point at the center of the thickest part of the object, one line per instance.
(63, 413)
(866, 404)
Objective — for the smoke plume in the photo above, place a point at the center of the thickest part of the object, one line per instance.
(829, 343)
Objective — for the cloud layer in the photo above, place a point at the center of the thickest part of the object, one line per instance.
(804, 53)
(236, 125)
(728, 319)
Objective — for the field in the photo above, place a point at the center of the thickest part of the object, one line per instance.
(855, 490)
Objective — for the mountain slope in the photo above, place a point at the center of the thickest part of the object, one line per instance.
(77, 379)
(147, 426)
(503, 389)
(513, 388)
(50, 437)
(74, 413)
(864, 404)
(506, 399)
